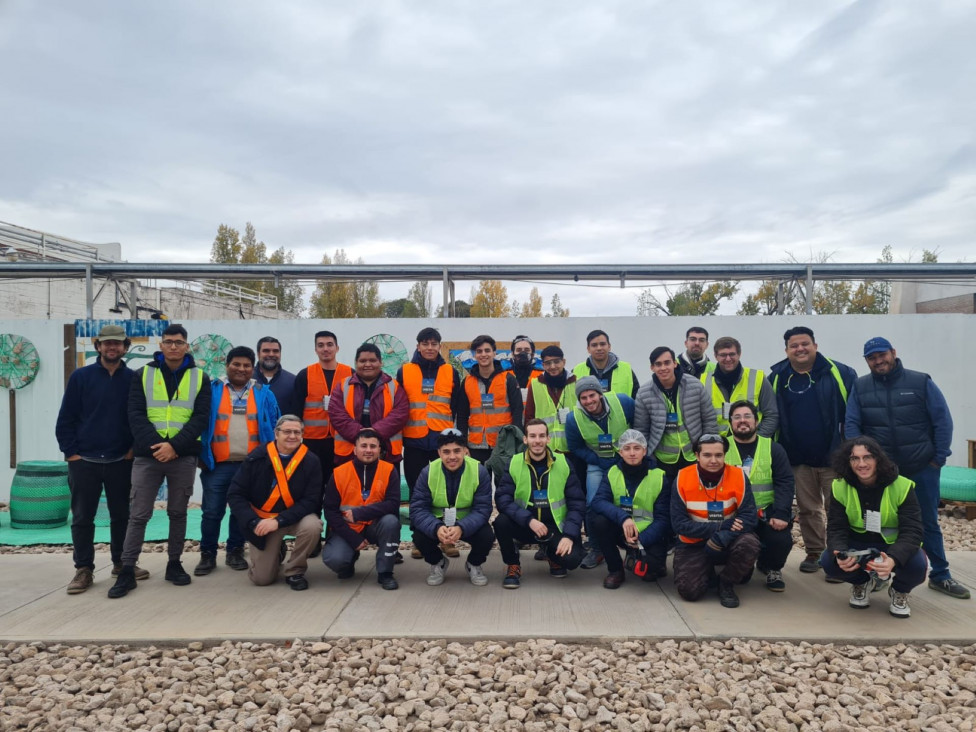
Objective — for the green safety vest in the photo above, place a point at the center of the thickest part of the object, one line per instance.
(747, 389)
(835, 372)
(894, 495)
(621, 380)
(555, 488)
(761, 473)
(438, 487)
(644, 497)
(548, 412)
(169, 417)
(676, 443)
(590, 431)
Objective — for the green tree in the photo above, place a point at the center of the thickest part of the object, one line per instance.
(229, 248)
(490, 300)
(421, 298)
(461, 310)
(291, 297)
(690, 298)
(345, 299)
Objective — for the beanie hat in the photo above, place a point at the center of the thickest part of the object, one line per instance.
(588, 383)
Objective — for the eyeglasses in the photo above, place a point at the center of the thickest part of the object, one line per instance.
(855, 459)
(726, 356)
(173, 344)
(290, 433)
(747, 417)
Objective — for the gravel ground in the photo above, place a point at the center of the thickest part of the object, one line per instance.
(535, 685)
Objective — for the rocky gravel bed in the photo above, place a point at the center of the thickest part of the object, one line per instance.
(534, 685)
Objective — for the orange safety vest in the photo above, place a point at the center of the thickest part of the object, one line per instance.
(428, 412)
(280, 491)
(220, 444)
(730, 492)
(342, 446)
(486, 421)
(350, 488)
(314, 415)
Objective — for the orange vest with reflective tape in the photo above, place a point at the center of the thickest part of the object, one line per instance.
(315, 417)
(428, 412)
(350, 488)
(486, 421)
(280, 492)
(220, 444)
(696, 497)
(342, 446)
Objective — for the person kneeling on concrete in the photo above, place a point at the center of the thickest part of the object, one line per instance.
(714, 514)
(874, 527)
(452, 501)
(362, 507)
(278, 492)
(539, 500)
(631, 509)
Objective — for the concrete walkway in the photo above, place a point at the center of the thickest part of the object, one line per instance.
(225, 606)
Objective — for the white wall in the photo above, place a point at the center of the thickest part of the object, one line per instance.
(943, 345)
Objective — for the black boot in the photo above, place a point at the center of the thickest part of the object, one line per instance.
(175, 573)
(126, 581)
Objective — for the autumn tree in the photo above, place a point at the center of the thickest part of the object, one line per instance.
(690, 298)
(532, 308)
(490, 300)
(556, 309)
(345, 299)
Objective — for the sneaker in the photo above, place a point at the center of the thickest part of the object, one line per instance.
(415, 553)
(206, 565)
(859, 596)
(437, 571)
(450, 550)
(235, 559)
(175, 573)
(592, 559)
(726, 595)
(297, 582)
(540, 554)
(774, 581)
(387, 581)
(878, 584)
(811, 564)
(476, 575)
(513, 574)
(82, 581)
(899, 603)
(126, 581)
(140, 573)
(613, 580)
(950, 587)
(556, 570)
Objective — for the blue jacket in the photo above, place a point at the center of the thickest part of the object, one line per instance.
(577, 445)
(93, 421)
(268, 415)
(422, 503)
(575, 503)
(660, 528)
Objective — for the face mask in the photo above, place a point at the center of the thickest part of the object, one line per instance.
(523, 359)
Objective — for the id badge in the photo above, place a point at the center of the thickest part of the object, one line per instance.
(627, 504)
(872, 521)
(525, 393)
(716, 510)
(240, 409)
(365, 406)
(561, 414)
(487, 401)
(325, 402)
(540, 499)
(427, 386)
(672, 418)
(725, 410)
(605, 383)
(605, 445)
(450, 516)
(747, 466)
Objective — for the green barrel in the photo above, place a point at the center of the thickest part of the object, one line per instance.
(39, 495)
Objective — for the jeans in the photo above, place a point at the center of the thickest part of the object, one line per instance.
(903, 578)
(215, 484)
(86, 480)
(481, 542)
(609, 536)
(927, 492)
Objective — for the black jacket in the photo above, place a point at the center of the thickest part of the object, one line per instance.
(186, 441)
(840, 536)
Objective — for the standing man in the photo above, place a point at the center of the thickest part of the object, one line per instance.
(612, 373)
(268, 372)
(673, 410)
(313, 392)
(811, 392)
(276, 493)
(539, 500)
(731, 382)
(907, 414)
(694, 360)
(492, 399)
(552, 397)
(362, 507)
(93, 433)
(169, 408)
(768, 469)
(523, 363)
(243, 414)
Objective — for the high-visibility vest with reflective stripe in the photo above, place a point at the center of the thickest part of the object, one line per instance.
(675, 443)
(169, 417)
(761, 472)
(484, 423)
(644, 497)
(746, 389)
(834, 371)
(465, 495)
(280, 491)
(220, 443)
(555, 488)
(314, 415)
(590, 431)
(621, 378)
(730, 492)
(548, 412)
(428, 412)
(350, 488)
(893, 496)
(344, 446)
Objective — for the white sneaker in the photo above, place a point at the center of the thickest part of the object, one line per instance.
(859, 596)
(475, 574)
(437, 571)
(899, 603)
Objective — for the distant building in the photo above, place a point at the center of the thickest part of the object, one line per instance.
(926, 297)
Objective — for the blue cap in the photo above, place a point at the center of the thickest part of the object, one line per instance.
(877, 345)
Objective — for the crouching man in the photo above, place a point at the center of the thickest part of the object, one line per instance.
(278, 492)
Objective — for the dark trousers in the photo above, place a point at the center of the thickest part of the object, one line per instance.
(384, 532)
(86, 480)
(480, 542)
(903, 579)
(480, 454)
(609, 536)
(324, 450)
(694, 567)
(927, 492)
(776, 545)
(671, 469)
(508, 533)
(147, 475)
(415, 460)
(215, 484)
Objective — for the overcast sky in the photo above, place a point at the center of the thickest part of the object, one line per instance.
(495, 132)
